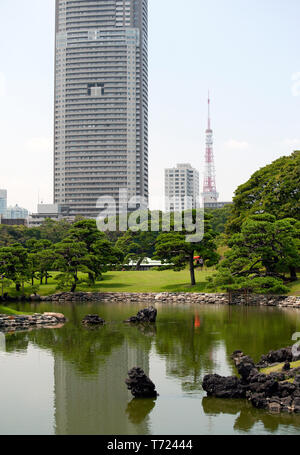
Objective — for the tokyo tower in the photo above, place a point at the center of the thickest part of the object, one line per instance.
(209, 186)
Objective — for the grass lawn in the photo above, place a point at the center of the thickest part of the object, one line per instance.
(10, 311)
(132, 281)
(278, 368)
(295, 288)
(148, 281)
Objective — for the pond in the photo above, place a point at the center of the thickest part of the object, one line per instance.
(70, 380)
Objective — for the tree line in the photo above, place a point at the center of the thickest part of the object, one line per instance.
(260, 233)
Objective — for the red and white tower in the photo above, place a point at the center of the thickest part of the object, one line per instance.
(209, 187)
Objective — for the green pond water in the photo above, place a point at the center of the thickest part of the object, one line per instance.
(70, 380)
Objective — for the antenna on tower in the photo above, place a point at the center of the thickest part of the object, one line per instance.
(209, 110)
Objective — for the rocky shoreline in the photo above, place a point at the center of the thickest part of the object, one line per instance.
(173, 297)
(22, 322)
(276, 391)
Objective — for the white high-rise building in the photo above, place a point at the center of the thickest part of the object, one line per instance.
(101, 102)
(181, 188)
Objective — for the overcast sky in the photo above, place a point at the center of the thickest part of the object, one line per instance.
(245, 51)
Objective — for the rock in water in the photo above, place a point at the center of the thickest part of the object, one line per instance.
(140, 385)
(221, 387)
(59, 316)
(145, 315)
(244, 365)
(93, 319)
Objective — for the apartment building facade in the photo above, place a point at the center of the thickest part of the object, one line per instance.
(101, 102)
(181, 188)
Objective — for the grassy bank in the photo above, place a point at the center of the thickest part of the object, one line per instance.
(10, 311)
(295, 288)
(278, 368)
(132, 281)
(148, 281)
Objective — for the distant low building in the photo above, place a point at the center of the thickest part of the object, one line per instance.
(13, 222)
(216, 205)
(55, 212)
(146, 264)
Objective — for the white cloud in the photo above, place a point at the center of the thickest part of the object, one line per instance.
(2, 85)
(235, 145)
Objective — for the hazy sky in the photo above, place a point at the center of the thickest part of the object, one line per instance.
(245, 51)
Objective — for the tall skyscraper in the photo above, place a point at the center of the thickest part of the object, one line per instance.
(210, 194)
(181, 188)
(101, 102)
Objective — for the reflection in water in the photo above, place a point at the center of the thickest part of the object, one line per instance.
(2, 342)
(247, 416)
(98, 400)
(187, 342)
(138, 409)
(148, 330)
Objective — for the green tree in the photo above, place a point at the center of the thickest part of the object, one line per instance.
(70, 258)
(100, 250)
(260, 255)
(274, 189)
(219, 217)
(14, 265)
(137, 246)
(174, 248)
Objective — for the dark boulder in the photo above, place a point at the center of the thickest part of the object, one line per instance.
(221, 387)
(297, 380)
(286, 404)
(297, 405)
(286, 366)
(286, 389)
(259, 401)
(244, 365)
(93, 319)
(277, 376)
(279, 356)
(145, 315)
(140, 385)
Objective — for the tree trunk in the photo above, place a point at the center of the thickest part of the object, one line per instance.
(18, 287)
(91, 278)
(192, 270)
(138, 264)
(46, 278)
(293, 273)
(74, 285)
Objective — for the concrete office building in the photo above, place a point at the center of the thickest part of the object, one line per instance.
(55, 212)
(101, 102)
(181, 188)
